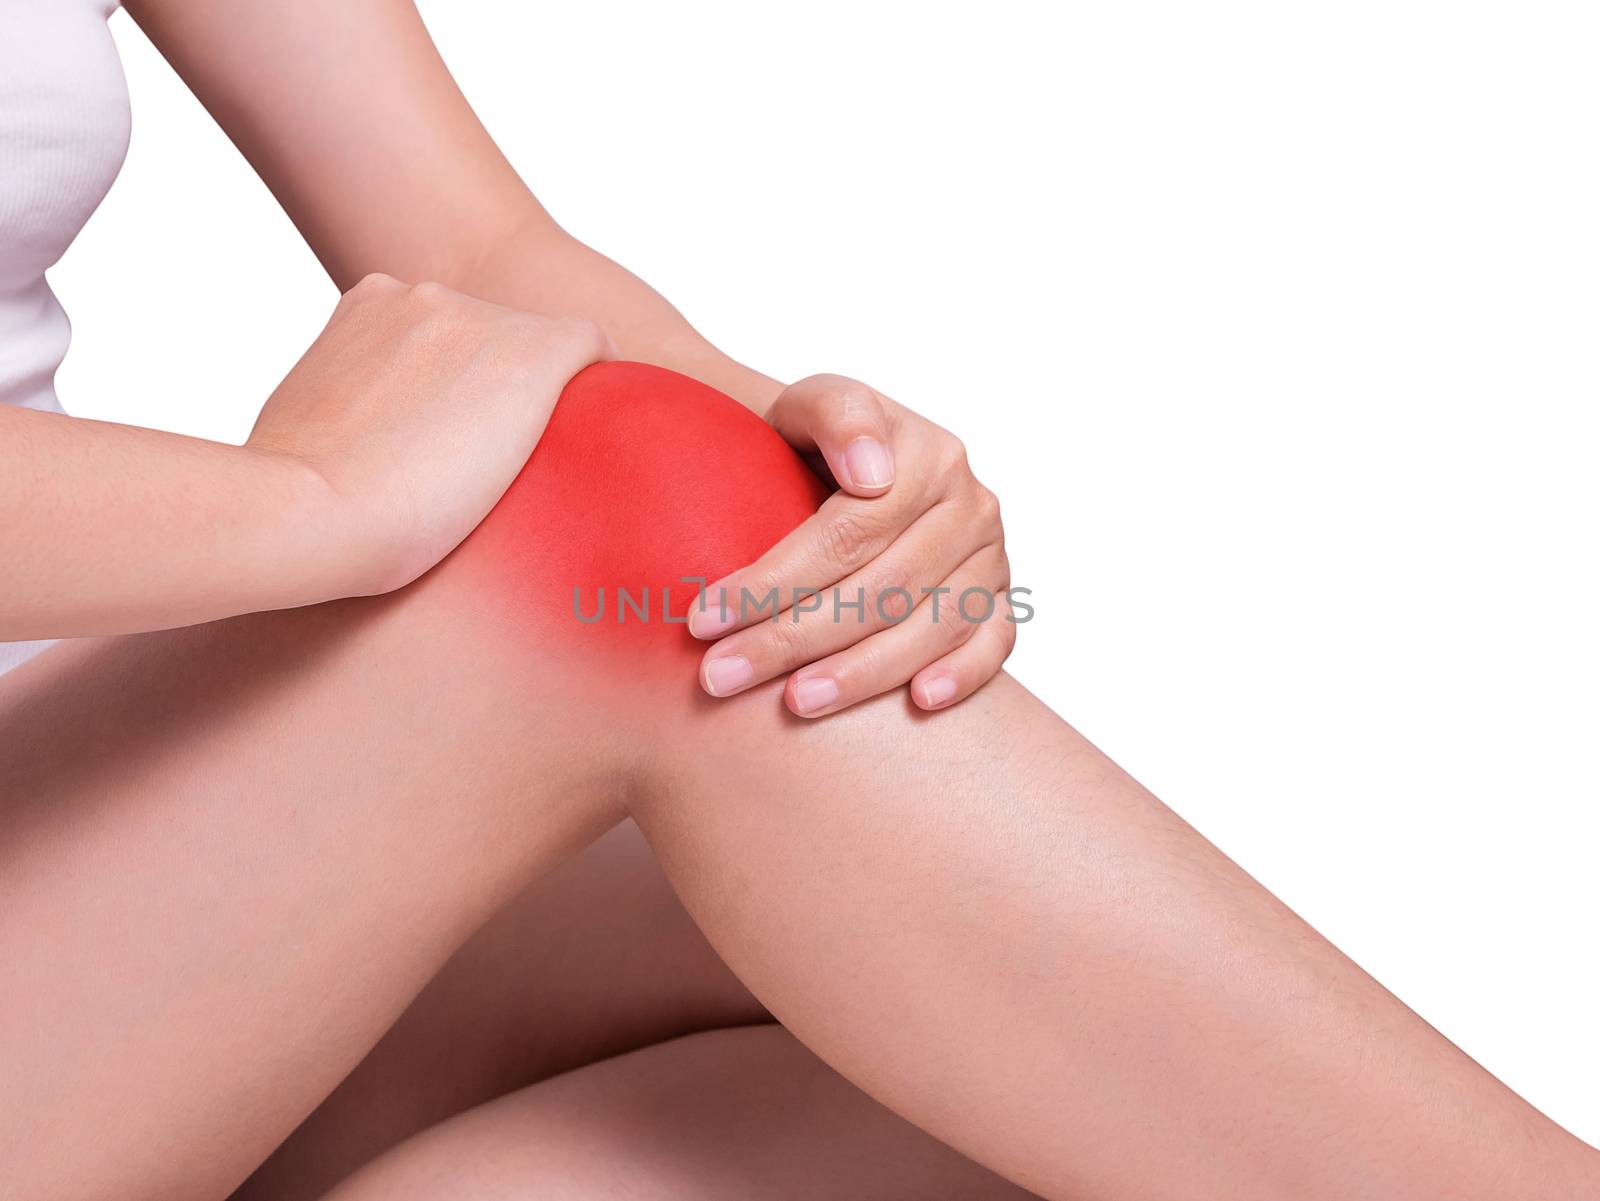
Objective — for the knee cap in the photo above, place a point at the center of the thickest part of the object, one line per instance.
(642, 479)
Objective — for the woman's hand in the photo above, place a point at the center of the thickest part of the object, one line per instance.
(295, 86)
(418, 405)
(912, 534)
(399, 429)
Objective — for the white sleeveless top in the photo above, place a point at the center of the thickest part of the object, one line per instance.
(63, 135)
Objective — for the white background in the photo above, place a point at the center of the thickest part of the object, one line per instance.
(1274, 326)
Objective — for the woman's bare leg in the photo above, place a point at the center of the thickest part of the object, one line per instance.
(734, 1115)
(989, 927)
(594, 959)
(230, 856)
(992, 929)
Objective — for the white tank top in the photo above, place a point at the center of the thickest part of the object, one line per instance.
(63, 135)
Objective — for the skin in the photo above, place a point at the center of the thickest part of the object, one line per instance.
(408, 416)
(232, 856)
(351, 118)
(574, 971)
(408, 422)
(378, 453)
(725, 1116)
(596, 958)
(660, 517)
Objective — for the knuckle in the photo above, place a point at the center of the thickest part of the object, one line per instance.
(839, 402)
(432, 296)
(948, 610)
(1002, 579)
(852, 403)
(788, 641)
(986, 506)
(891, 590)
(849, 537)
(953, 454)
(893, 601)
(817, 385)
(369, 287)
(758, 588)
(1008, 636)
(948, 619)
(376, 281)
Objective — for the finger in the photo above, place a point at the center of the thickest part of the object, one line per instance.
(942, 627)
(846, 422)
(841, 537)
(798, 630)
(968, 667)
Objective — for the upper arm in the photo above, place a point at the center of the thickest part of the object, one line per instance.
(346, 110)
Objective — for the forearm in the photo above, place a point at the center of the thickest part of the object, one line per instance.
(352, 119)
(543, 269)
(112, 529)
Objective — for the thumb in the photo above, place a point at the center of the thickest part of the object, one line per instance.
(846, 422)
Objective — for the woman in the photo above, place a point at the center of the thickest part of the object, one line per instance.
(303, 888)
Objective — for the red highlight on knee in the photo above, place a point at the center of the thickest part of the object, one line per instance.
(643, 477)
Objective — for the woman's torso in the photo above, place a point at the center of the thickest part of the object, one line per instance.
(63, 134)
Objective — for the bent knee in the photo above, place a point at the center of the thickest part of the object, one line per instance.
(644, 482)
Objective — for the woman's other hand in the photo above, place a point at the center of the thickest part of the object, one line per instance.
(395, 433)
(417, 406)
(911, 533)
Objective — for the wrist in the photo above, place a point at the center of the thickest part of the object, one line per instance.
(311, 544)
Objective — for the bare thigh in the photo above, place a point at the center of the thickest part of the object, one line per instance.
(733, 1115)
(595, 959)
(229, 859)
(231, 856)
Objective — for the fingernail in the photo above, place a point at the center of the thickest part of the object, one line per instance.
(937, 691)
(708, 623)
(867, 461)
(727, 674)
(815, 693)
